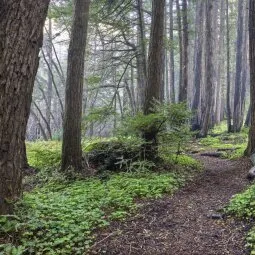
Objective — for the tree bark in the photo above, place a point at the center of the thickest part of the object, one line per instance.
(49, 81)
(155, 71)
(183, 93)
(251, 142)
(209, 71)
(179, 23)
(21, 33)
(229, 114)
(238, 79)
(141, 55)
(71, 148)
(171, 65)
(198, 65)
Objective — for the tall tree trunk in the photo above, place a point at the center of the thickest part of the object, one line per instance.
(171, 65)
(245, 67)
(220, 63)
(209, 71)
(183, 94)
(251, 142)
(49, 81)
(141, 55)
(71, 148)
(238, 79)
(229, 115)
(179, 23)
(21, 33)
(198, 64)
(155, 71)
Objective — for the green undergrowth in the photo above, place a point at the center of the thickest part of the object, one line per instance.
(243, 206)
(182, 160)
(232, 144)
(47, 154)
(59, 218)
(43, 154)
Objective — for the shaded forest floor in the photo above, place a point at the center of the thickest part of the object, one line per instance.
(186, 223)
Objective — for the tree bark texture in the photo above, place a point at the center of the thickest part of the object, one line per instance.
(209, 71)
(251, 142)
(71, 148)
(155, 71)
(198, 65)
(238, 79)
(183, 93)
(229, 113)
(21, 33)
(171, 65)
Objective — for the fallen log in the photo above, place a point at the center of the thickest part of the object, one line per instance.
(212, 154)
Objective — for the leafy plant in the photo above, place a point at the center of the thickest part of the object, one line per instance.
(59, 218)
(243, 206)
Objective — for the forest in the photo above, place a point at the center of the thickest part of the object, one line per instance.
(127, 127)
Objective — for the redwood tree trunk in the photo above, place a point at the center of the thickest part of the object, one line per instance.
(251, 143)
(71, 148)
(209, 71)
(229, 114)
(155, 71)
(21, 32)
(183, 94)
(239, 61)
(198, 65)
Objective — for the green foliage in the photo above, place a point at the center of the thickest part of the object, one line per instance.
(170, 123)
(44, 154)
(182, 160)
(175, 116)
(97, 115)
(115, 154)
(243, 206)
(59, 218)
(220, 139)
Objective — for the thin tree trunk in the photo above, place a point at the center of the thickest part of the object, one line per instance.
(49, 82)
(229, 115)
(171, 65)
(141, 55)
(220, 64)
(179, 23)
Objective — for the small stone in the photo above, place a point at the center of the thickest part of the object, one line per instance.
(215, 216)
(251, 174)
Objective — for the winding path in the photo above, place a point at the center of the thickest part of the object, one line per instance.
(182, 224)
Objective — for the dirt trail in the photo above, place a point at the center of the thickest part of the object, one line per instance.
(181, 224)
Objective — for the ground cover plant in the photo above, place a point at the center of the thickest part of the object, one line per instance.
(58, 215)
(232, 145)
(59, 218)
(243, 206)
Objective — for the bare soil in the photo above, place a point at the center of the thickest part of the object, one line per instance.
(186, 223)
